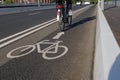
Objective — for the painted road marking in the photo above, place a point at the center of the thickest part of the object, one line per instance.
(30, 48)
(31, 14)
(25, 31)
(58, 35)
(24, 35)
(6, 42)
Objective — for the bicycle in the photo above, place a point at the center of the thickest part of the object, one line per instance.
(27, 49)
(64, 18)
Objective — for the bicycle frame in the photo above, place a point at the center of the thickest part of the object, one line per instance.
(53, 45)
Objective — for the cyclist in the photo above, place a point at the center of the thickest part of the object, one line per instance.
(65, 6)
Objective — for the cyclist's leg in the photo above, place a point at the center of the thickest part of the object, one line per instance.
(62, 18)
(63, 11)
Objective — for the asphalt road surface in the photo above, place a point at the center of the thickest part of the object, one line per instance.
(113, 18)
(76, 49)
(13, 23)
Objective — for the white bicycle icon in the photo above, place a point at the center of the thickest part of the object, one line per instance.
(52, 48)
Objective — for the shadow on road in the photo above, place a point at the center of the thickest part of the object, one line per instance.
(79, 23)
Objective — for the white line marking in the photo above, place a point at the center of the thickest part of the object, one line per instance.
(53, 45)
(44, 55)
(4, 39)
(58, 35)
(26, 34)
(20, 49)
(34, 13)
(29, 31)
(9, 37)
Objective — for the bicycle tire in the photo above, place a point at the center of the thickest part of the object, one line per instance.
(61, 25)
(70, 20)
(22, 48)
(44, 55)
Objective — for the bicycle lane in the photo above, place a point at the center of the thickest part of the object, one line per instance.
(76, 64)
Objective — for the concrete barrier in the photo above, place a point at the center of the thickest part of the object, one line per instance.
(107, 50)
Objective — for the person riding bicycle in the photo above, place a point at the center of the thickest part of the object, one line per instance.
(65, 6)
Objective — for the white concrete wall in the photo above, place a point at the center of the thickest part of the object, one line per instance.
(107, 49)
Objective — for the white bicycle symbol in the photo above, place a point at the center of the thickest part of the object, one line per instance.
(52, 48)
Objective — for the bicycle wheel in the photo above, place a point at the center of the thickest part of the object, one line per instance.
(61, 24)
(70, 20)
(44, 55)
(21, 51)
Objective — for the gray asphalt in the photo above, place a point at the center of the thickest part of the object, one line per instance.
(112, 15)
(13, 23)
(76, 64)
(16, 22)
